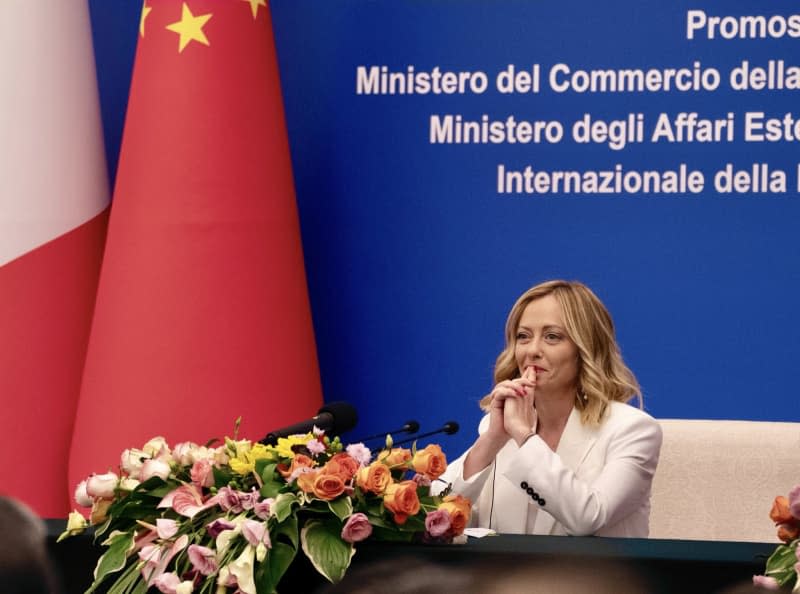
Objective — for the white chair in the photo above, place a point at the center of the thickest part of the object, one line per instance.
(716, 480)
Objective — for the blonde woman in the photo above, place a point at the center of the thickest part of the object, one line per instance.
(559, 450)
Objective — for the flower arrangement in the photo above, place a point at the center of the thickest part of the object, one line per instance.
(783, 566)
(232, 518)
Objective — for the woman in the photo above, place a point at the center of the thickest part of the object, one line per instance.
(559, 451)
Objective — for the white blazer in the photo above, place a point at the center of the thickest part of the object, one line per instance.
(597, 482)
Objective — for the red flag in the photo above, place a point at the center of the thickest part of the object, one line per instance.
(202, 312)
(53, 212)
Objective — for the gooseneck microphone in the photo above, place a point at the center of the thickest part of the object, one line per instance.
(410, 427)
(333, 418)
(448, 428)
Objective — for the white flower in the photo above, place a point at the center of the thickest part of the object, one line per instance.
(157, 448)
(102, 485)
(152, 468)
(242, 569)
(81, 496)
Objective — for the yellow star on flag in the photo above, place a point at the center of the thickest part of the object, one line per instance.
(145, 11)
(254, 4)
(190, 27)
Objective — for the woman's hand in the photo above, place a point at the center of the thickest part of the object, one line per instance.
(505, 397)
(519, 413)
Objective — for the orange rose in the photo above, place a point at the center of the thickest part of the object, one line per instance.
(780, 513)
(395, 457)
(788, 532)
(299, 461)
(374, 478)
(431, 461)
(328, 486)
(459, 509)
(305, 481)
(342, 465)
(401, 499)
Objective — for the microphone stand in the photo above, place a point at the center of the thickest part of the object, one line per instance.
(409, 427)
(448, 429)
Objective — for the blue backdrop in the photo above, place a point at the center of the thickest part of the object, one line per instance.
(414, 257)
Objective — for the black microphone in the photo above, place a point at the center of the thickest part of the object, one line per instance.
(410, 427)
(333, 418)
(448, 428)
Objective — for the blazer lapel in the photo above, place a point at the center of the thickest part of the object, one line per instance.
(576, 442)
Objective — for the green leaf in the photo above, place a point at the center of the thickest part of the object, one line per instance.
(323, 546)
(342, 508)
(221, 477)
(780, 564)
(282, 507)
(115, 558)
(271, 488)
(265, 468)
(271, 570)
(287, 532)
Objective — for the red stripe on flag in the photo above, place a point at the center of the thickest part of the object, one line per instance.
(48, 297)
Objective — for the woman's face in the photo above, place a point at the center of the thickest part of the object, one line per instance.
(542, 343)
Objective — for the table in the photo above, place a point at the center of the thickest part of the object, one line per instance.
(665, 566)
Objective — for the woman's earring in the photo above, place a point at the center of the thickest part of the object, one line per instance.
(582, 395)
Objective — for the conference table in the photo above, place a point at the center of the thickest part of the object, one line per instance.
(684, 566)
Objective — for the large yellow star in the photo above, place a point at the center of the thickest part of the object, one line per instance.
(254, 4)
(190, 28)
(145, 11)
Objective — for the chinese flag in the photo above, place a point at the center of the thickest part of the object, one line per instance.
(53, 212)
(202, 312)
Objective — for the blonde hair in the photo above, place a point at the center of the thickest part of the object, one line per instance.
(602, 375)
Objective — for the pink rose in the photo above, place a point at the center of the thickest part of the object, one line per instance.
(102, 486)
(437, 522)
(203, 559)
(151, 468)
(202, 473)
(357, 528)
(768, 583)
(794, 502)
(81, 496)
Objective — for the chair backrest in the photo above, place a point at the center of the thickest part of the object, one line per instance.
(716, 480)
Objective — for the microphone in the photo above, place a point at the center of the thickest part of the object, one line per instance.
(410, 427)
(448, 428)
(333, 418)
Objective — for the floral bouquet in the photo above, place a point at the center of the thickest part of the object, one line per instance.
(783, 566)
(232, 518)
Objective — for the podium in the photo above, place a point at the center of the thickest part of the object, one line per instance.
(665, 566)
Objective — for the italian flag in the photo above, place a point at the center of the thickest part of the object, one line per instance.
(53, 210)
